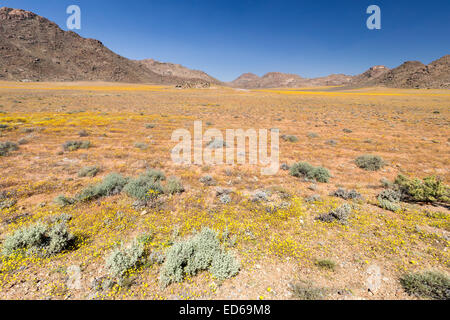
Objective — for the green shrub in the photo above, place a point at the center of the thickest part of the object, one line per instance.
(339, 214)
(388, 205)
(174, 186)
(146, 186)
(307, 291)
(432, 285)
(63, 201)
(370, 162)
(347, 194)
(321, 174)
(391, 195)
(312, 135)
(224, 266)
(289, 138)
(141, 145)
(326, 264)
(430, 190)
(88, 171)
(150, 126)
(306, 170)
(75, 145)
(389, 200)
(201, 252)
(122, 260)
(39, 238)
(111, 185)
(7, 147)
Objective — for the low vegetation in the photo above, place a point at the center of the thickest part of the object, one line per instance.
(39, 239)
(203, 251)
(326, 264)
(75, 145)
(430, 189)
(145, 187)
(370, 162)
(7, 147)
(112, 184)
(309, 172)
(430, 285)
(307, 291)
(90, 171)
(123, 259)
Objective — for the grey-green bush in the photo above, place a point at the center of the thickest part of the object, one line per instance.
(430, 284)
(75, 145)
(124, 259)
(146, 186)
(306, 170)
(339, 214)
(90, 171)
(202, 251)
(390, 195)
(370, 162)
(141, 145)
(39, 238)
(7, 147)
(388, 205)
(63, 201)
(289, 138)
(307, 291)
(112, 184)
(174, 186)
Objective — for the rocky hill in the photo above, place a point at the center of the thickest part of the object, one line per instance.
(414, 74)
(286, 80)
(36, 49)
(411, 74)
(170, 69)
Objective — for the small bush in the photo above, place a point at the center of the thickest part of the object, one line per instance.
(345, 194)
(388, 205)
(122, 260)
(339, 214)
(312, 135)
(111, 185)
(83, 133)
(390, 195)
(141, 145)
(150, 126)
(289, 138)
(146, 186)
(75, 145)
(326, 264)
(174, 186)
(306, 291)
(370, 162)
(201, 252)
(88, 171)
(208, 180)
(306, 170)
(7, 147)
(432, 285)
(431, 189)
(39, 238)
(63, 201)
(260, 196)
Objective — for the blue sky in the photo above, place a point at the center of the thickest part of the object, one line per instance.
(227, 38)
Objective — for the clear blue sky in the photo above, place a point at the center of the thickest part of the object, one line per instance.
(227, 38)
